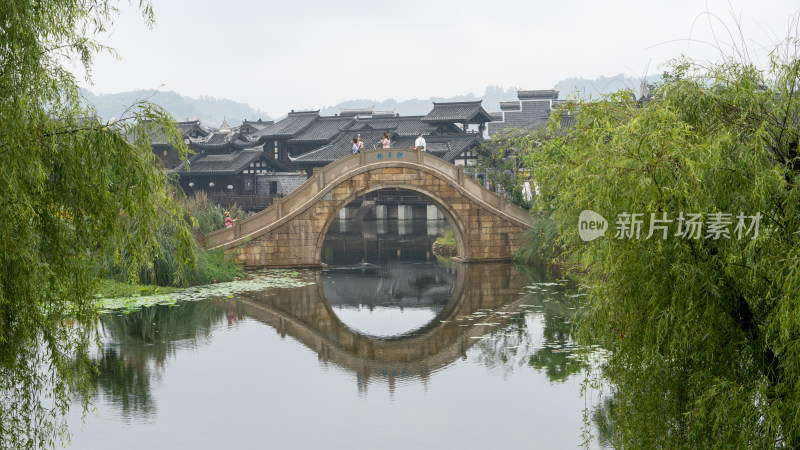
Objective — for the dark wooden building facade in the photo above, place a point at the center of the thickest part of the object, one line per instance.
(259, 160)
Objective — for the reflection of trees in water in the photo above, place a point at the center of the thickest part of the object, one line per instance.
(558, 358)
(139, 343)
(556, 306)
(603, 418)
(122, 384)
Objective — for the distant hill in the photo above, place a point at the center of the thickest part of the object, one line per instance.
(208, 109)
(212, 110)
(568, 88)
(416, 107)
(594, 88)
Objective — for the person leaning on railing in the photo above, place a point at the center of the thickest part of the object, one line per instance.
(228, 220)
(420, 144)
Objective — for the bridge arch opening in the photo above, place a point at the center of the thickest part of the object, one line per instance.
(446, 213)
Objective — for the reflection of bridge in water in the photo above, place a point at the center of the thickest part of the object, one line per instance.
(404, 285)
(306, 315)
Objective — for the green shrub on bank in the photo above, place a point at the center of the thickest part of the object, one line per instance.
(165, 269)
(208, 214)
(212, 267)
(542, 243)
(447, 238)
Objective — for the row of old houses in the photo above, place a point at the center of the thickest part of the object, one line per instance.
(255, 162)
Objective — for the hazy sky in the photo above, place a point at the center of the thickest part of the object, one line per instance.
(298, 54)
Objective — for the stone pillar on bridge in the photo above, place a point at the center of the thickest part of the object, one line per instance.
(434, 213)
(405, 212)
(380, 212)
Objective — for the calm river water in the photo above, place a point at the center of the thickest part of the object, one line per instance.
(387, 348)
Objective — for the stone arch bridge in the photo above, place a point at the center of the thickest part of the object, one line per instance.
(290, 233)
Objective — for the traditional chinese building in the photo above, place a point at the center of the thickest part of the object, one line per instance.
(529, 112)
(259, 160)
(451, 131)
(169, 157)
(232, 168)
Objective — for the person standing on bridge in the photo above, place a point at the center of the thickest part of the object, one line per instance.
(360, 143)
(228, 220)
(419, 144)
(354, 148)
(386, 142)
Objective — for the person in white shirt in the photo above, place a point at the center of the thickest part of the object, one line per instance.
(419, 144)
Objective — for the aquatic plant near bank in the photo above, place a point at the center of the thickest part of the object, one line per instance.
(273, 278)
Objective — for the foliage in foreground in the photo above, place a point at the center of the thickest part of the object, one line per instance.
(500, 161)
(73, 190)
(166, 269)
(447, 237)
(704, 334)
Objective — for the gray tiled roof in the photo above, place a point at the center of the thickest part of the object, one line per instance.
(255, 125)
(509, 106)
(289, 127)
(217, 138)
(445, 147)
(388, 113)
(350, 112)
(323, 130)
(158, 138)
(341, 147)
(530, 115)
(412, 126)
(388, 123)
(544, 94)
(461, 112)
(568, 121)
(219, 164)
(458, 144)
(220, 141)
(188, 126)
(358, 126)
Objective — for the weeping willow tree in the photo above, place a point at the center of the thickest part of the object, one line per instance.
(703, 328)
(73, 190)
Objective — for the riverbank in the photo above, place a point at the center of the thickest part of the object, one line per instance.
(108, 288)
